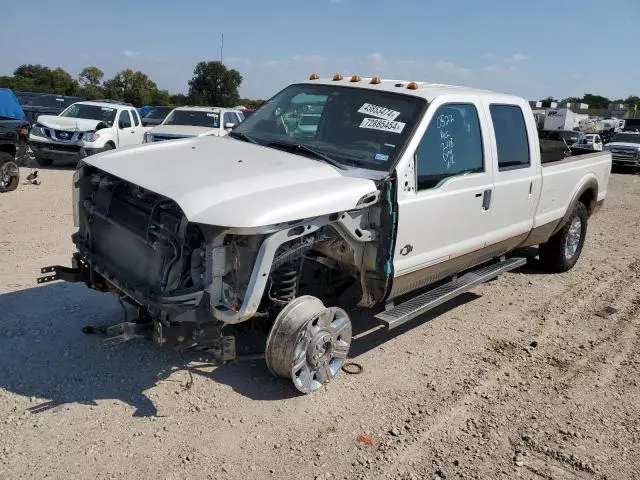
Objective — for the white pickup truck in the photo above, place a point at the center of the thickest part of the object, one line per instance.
(186, 122)
(83, 129)
(406, 195)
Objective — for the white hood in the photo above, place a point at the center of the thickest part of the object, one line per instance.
(68, 124)
(183, 130)
(226, 182)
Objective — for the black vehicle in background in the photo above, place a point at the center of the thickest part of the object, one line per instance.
(46, 104)
(14, 131)
(155, 116)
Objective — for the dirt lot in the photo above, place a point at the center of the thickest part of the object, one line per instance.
(532, 376)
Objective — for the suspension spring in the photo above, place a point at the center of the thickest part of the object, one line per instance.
(284, 283)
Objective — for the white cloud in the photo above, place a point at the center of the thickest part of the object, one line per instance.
(450, 68)
(488, 55)
(498, 69)
(377, 60)
(519, 57)
(130, 53)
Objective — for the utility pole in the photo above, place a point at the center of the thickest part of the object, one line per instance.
(222, 49)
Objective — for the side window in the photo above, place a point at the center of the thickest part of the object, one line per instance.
(240, 117)
(229, 117)
(511, 137)
(124, 121)
(451, 146)
(134, 115)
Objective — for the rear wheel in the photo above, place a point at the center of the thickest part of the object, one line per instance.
(563, 249)
(308, 343)
(9, 173)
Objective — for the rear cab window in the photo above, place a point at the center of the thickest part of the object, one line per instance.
(512, 140)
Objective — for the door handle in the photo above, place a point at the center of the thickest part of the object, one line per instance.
(486, 200)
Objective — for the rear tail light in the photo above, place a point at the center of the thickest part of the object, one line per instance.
(23, 131)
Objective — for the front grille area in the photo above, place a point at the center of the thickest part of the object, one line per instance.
(624, 156)
(63, 135)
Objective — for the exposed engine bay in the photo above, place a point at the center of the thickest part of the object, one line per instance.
(140, 245)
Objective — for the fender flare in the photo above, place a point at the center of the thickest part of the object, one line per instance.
(590, 184)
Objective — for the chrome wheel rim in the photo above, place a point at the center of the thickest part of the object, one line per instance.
(6, 174)
(321, 349)
(572, 239)
(308, 343)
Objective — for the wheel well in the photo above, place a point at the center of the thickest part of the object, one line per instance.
(588, 198)
(10, 149)
(110, 142)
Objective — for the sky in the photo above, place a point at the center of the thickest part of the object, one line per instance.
(511, 46)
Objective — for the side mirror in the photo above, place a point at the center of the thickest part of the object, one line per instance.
(229, 125)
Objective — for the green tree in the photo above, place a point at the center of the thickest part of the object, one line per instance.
(571, 100)
(632, 100)
(178, 99)
(131, 86)
(91, 76)
(596, 101)
(39, 78)
(254, 104)
(214, 84)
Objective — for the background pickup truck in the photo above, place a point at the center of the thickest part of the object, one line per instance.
(405, 195)
(83, 129)
(14, 130)
(625, 149)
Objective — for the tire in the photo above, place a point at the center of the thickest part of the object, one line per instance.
(44, 162)
(9, 173)
(106, 148)
(562, 250)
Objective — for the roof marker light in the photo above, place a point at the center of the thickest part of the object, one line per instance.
(337, 77)
(375, 81)
(314, 76)
(412, 86)
(355, 78)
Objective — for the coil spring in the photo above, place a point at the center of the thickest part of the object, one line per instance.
(284, 283)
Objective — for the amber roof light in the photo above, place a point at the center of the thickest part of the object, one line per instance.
(412, 86)
(337, 77)
(314, 76)
(375, 81)
(355, 78)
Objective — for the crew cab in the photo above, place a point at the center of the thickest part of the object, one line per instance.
(407, 195)
(83, 129)
(625, 149)
(185, 122)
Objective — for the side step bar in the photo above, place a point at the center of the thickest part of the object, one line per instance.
(416, 306)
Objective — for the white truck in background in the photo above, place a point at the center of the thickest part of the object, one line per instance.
(186, 122)
(405, 195)
(84, 129)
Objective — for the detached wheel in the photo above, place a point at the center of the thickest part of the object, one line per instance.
(562, 250)
(308, 343)
(9, 173)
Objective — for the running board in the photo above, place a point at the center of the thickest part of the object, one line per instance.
(416, 306)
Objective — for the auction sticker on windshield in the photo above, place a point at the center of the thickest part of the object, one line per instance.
(384, 125)
(380, 112)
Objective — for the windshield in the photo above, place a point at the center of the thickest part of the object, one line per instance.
(360, 127)
(158, 112)
(91, 112)
(195, 118)
(626, 137)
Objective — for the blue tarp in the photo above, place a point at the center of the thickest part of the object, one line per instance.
(9, 105)
(144, 110)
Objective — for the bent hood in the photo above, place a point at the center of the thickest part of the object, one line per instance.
(226, 182)
(68, 123)
(182, 131)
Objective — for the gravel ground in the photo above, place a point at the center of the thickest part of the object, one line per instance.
(532, 376)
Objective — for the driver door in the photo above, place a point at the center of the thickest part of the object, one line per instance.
(126, 131)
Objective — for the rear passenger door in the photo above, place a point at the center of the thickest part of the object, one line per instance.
(126, 131)
(517, 179)
(137, 127)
